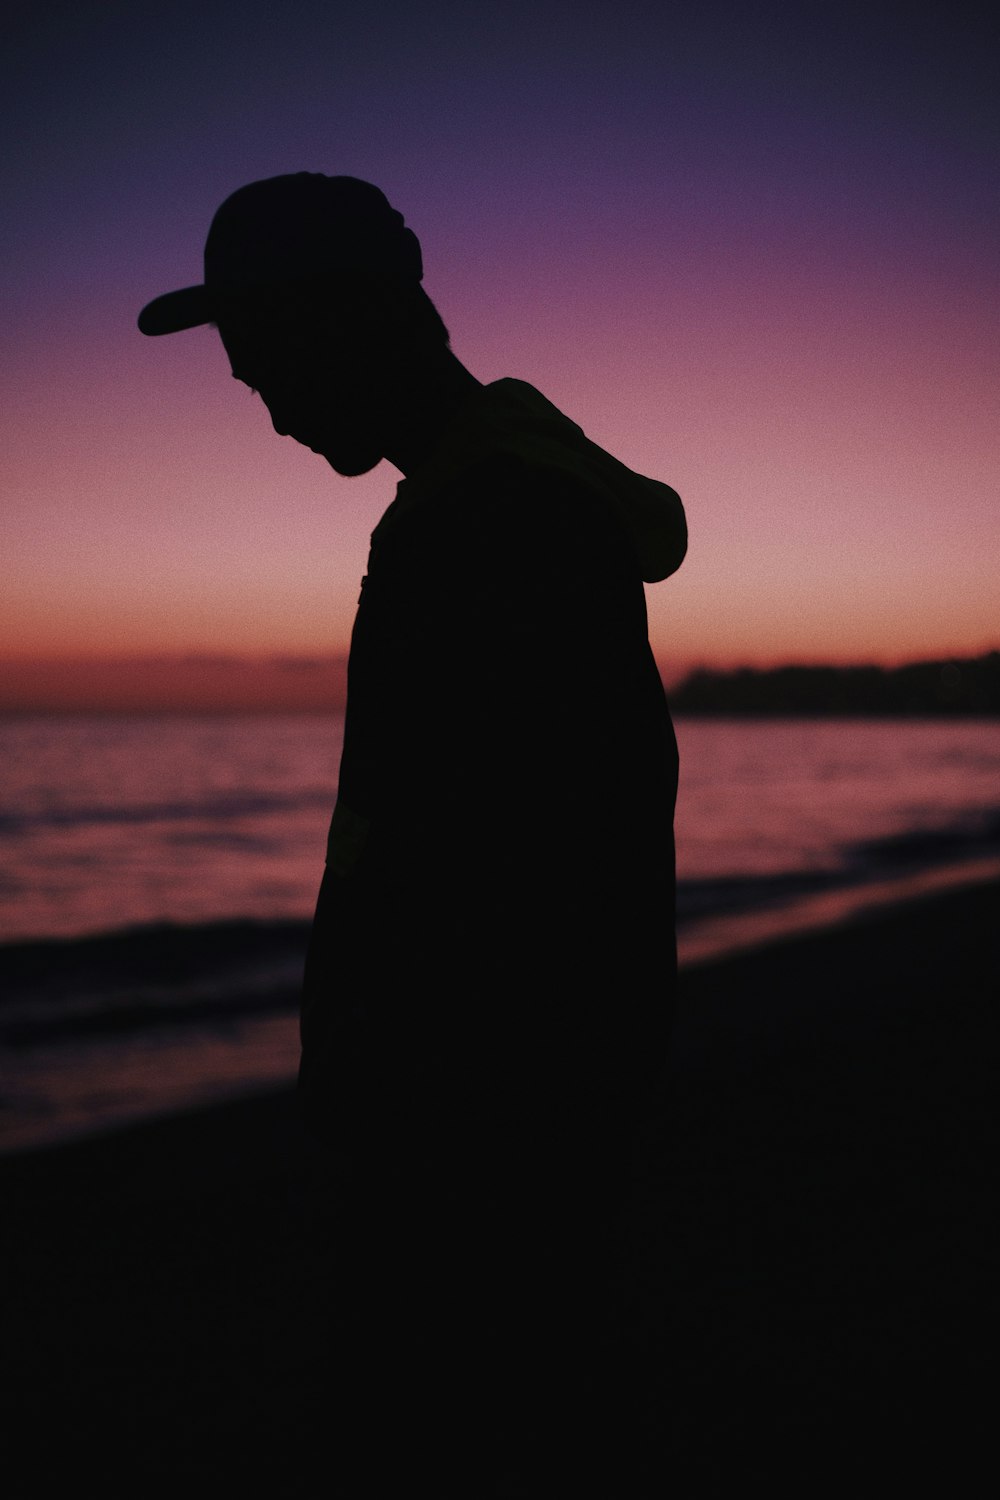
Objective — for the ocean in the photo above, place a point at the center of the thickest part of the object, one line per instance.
(158, 876)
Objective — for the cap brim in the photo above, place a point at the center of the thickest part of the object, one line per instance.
(188, 308)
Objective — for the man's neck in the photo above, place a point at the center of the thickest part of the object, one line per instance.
(433, 399)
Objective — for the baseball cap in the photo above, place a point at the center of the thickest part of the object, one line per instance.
(283, 229)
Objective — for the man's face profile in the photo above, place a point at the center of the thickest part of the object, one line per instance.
(315, 378)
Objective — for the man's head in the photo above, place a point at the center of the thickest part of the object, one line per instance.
(314, 285)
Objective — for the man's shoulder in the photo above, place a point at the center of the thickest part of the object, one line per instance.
(518, 507)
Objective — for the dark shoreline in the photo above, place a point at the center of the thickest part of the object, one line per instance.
(808, 1245)
(958, 687)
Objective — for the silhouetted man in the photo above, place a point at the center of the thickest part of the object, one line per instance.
(490, 976)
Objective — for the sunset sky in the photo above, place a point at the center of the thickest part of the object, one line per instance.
(750, 248)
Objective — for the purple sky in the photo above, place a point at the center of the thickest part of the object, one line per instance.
(751, 248)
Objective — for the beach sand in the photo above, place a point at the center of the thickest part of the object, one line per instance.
(808, 1285)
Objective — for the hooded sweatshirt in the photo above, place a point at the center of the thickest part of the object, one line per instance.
(500, 862)
(510, 418)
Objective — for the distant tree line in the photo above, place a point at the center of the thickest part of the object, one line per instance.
(955, 687)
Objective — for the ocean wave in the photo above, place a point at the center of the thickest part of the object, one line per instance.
(216, 809)
(149, 981)
(974, 835)
(970, 838)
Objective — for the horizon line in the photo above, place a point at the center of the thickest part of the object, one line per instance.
(277, 683)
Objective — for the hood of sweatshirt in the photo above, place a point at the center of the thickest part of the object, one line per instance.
(512, 418)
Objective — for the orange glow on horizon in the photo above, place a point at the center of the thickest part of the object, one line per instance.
(201, 684)
(285, 684)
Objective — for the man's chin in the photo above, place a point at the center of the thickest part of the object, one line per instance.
(350, 466)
